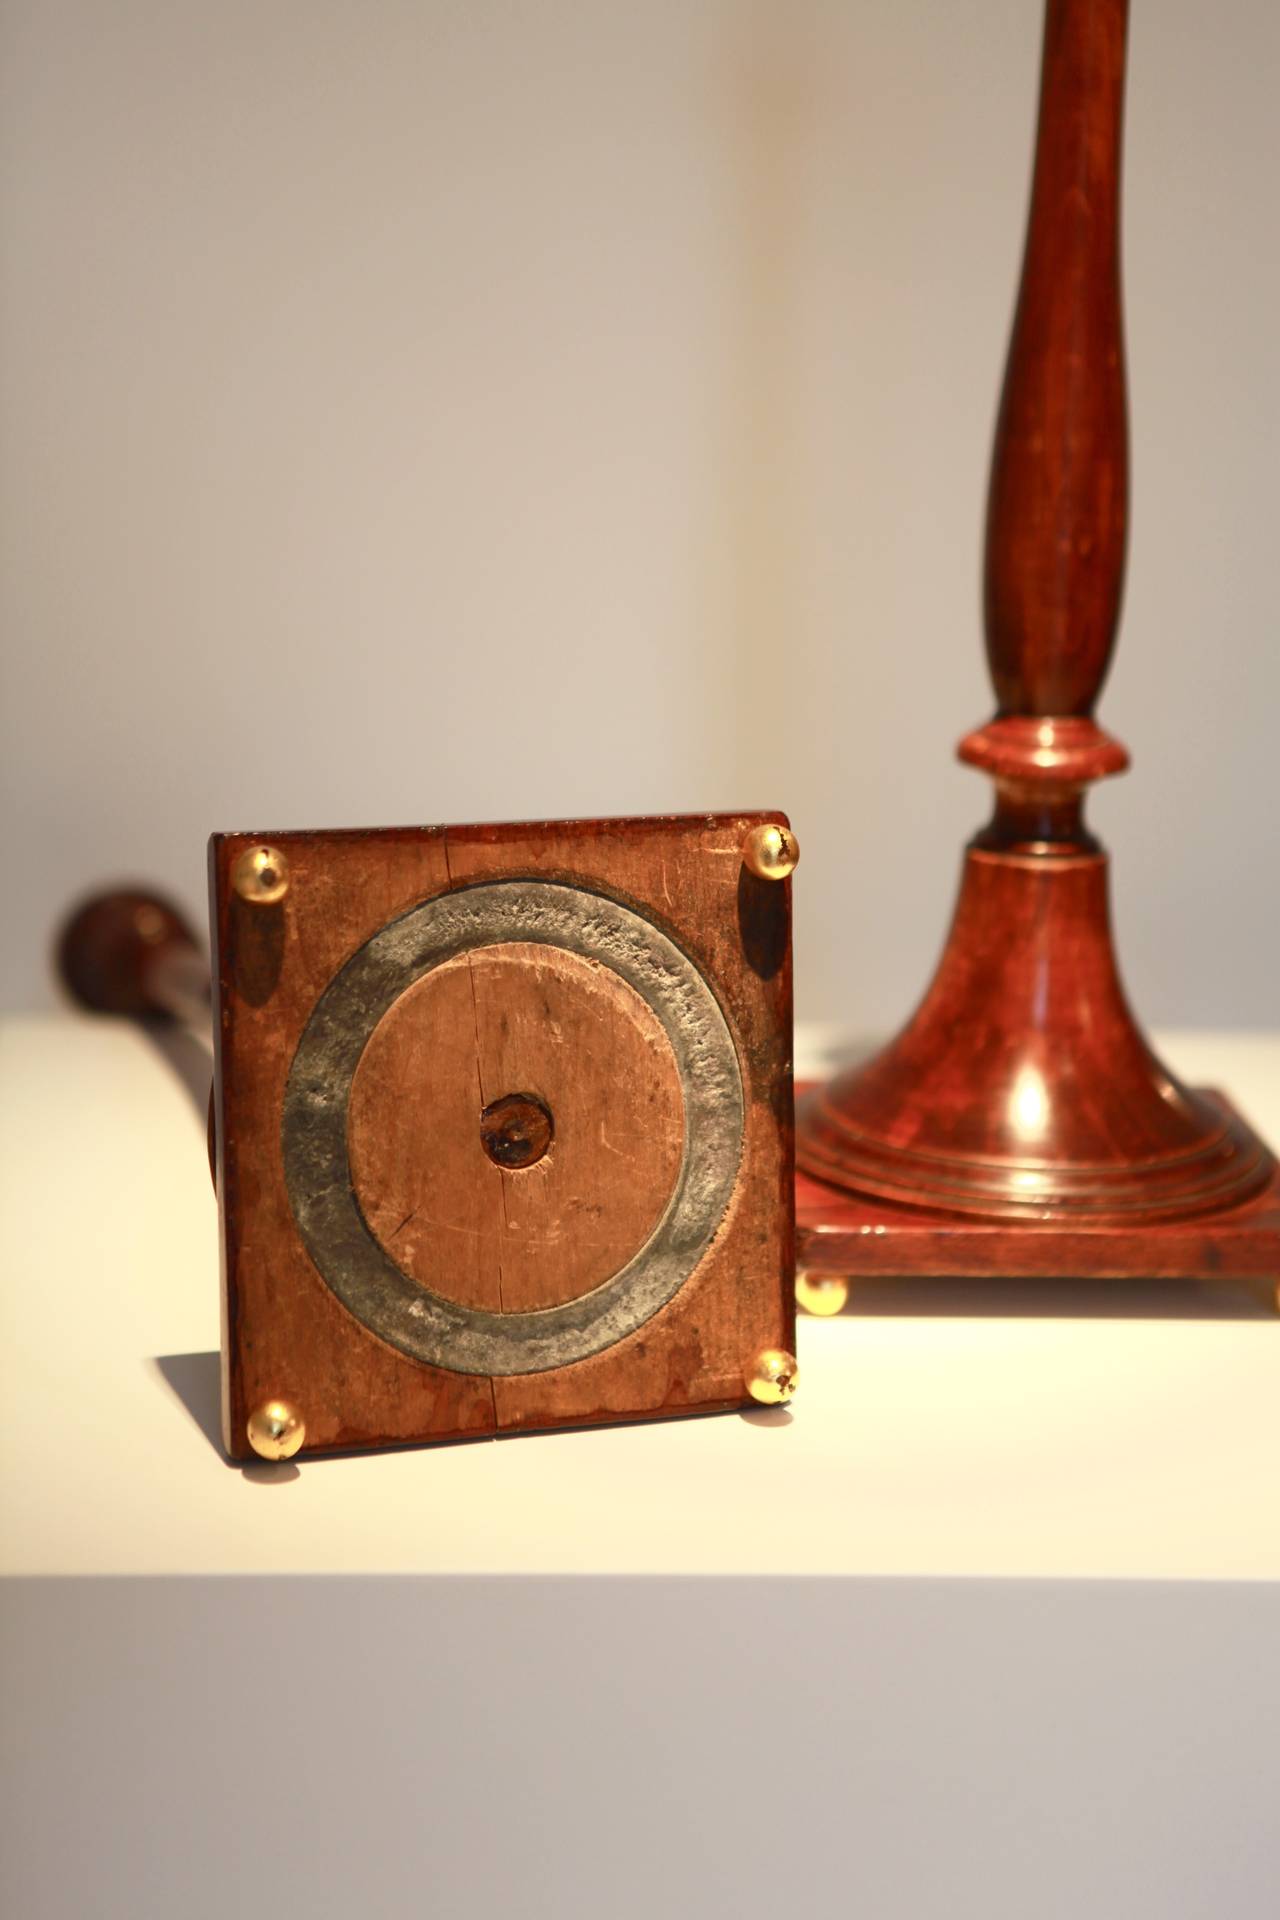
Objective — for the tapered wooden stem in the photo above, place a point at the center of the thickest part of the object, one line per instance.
(1057, 505)
(1058, 500)
(1023, 1088)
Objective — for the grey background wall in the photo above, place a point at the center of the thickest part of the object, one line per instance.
(443, 410)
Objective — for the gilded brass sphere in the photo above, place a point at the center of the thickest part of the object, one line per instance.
(773, 1377)
(276, 1430)
(821, 1293)
(261, 876)
(771, 853)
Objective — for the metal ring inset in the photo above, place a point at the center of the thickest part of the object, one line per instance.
(400, 1310)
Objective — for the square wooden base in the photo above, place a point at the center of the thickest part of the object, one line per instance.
(453, 1070)
(856, 1237)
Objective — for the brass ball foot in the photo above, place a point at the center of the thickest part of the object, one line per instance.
(276, 1430)
(821, 1293)
(261, 876)
(771, 853)
(772, 1377)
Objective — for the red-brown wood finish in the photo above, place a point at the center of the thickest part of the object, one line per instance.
(132, 952)
(511, 1023)
(129, 951)
(846, 1234)
(1022, 1090)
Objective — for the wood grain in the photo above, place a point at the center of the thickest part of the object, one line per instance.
(859, 1238)
(285, 1334)
(512, 1019)
(285, 1331)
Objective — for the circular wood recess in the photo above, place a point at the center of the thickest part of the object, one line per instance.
(518, 1022)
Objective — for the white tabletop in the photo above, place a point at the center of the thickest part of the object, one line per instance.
(1132, 1434)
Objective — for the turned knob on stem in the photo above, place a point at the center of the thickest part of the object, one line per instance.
(132, 952)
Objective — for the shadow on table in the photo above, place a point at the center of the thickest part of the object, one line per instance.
(767, 1417)
(195, 1380)
(1046, 1299)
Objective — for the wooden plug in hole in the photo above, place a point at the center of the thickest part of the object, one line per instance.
(516, 1130)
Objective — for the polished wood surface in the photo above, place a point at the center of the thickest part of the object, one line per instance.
(1022, 1090)
(132, 952)
(505, 1023)
(853, 1236)
(1056, 509)
(585, 1052)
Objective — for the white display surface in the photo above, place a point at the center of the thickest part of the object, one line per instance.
(1015, 1653)
(1130, 1431)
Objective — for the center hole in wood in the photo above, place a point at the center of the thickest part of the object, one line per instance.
(516, 1130)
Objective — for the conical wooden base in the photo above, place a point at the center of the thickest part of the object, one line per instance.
(1023, 1089)
(862, 1239)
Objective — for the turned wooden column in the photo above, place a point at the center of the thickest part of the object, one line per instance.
(1023, 1089)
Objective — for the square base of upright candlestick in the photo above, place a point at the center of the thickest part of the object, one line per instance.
(855, 1237)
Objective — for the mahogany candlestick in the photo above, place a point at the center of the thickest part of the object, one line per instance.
(1020, 1122)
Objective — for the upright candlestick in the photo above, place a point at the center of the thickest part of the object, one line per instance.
(1022, 1089)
